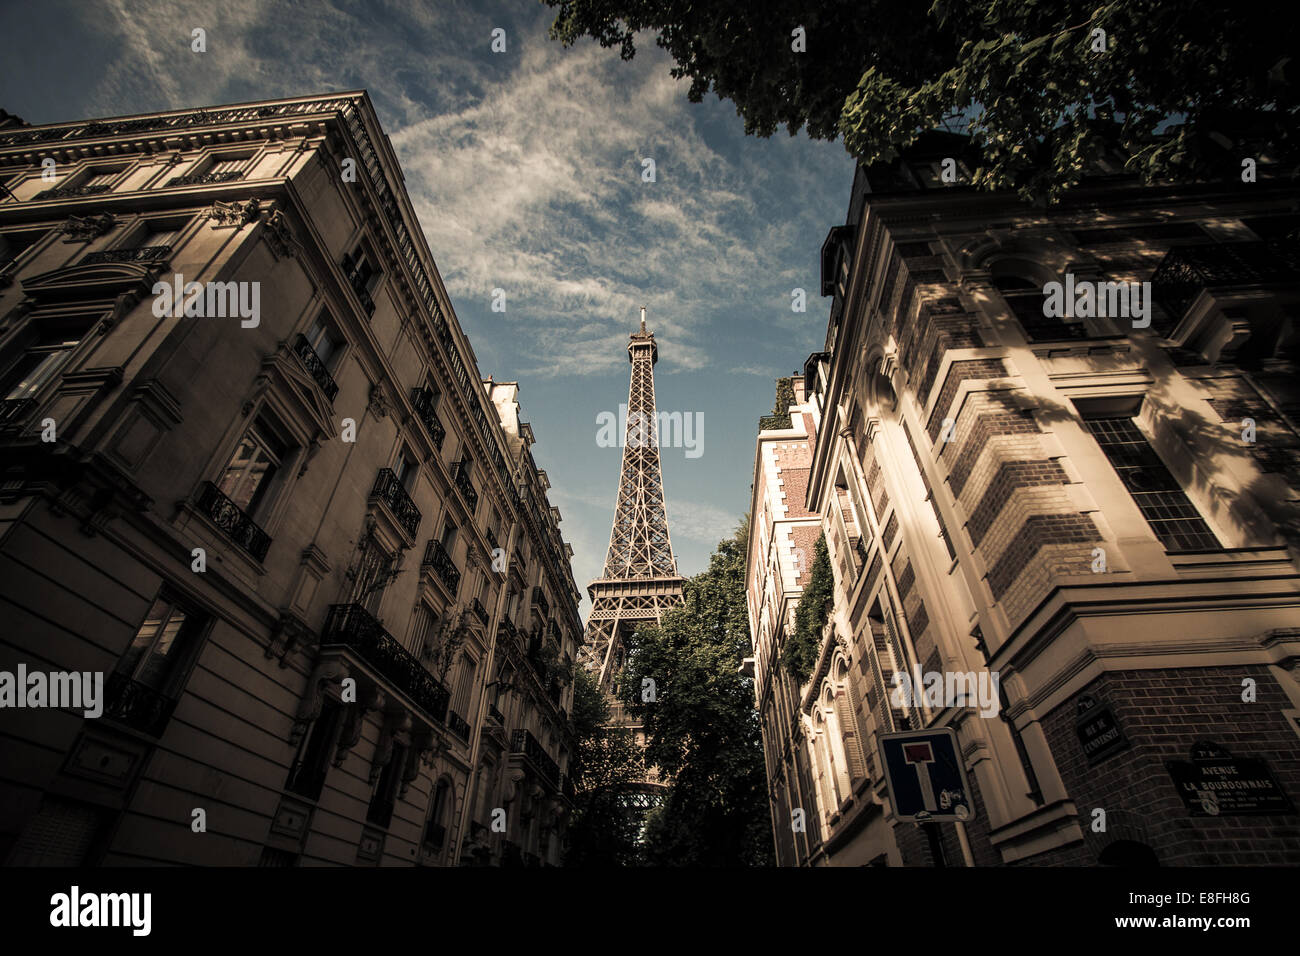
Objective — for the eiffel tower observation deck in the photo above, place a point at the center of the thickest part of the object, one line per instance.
(640, 581)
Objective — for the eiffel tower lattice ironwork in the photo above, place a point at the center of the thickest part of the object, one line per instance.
(640, 581)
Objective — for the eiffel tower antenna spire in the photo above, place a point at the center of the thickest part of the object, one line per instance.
(640, 581)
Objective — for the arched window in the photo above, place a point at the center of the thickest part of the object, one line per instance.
(1022, 285)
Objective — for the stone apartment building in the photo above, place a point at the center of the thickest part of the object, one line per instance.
(304, 542)
(1098, 505)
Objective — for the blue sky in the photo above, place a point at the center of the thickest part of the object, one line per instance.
(525, 168)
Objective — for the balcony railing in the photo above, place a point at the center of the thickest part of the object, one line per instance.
(137, 705)
(233, 522)
(352, 626)
(461, 477)
(540, 602)
(422, 399)
(508, 628)
(479, 611)
(388, 489)
(458, 725)
(523, 742)
(68, 192)
(138, 254)
(205, 179)
(1186, 270)
(315, 366)
(436, 557)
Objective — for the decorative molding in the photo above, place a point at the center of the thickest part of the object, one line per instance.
(279, 236)
(237, 214)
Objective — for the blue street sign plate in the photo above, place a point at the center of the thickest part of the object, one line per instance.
(926, 776)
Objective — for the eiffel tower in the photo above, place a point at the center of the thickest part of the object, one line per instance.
(640, 581)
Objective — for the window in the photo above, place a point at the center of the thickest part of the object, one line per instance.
(1025, 299)
(435, 829)
(448, 538)
(253, 467)
(61, 833)
(463, 699)
(307, 775)
(157, 233)
(228, 164)
(374, 572)
(323, 340)
(14, 244)
(157, 653)
(101, 177)
(380, 811)
(1159, 497)
(405, 469)
(38, 365)
(363, 275)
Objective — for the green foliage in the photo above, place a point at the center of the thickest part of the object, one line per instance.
(703, 731)
(601, 833)
(1025, 78)
(780, 417)
(800, 651)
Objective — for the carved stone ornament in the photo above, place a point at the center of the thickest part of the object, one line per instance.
(279, 236)
(86, 228)
(233, 213)
(378, 401)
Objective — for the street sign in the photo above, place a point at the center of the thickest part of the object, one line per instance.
(926, 776)
(1216, 783)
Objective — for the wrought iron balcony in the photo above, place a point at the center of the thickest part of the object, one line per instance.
(352, 626)
(138, 254)
(14, 412)
(479, 611)
(523, 742)
(137, 705)
(388, 489)
(458, 725)
(508, 628)
(1186, 270)
(460, 475)
(233, 522)
(436, 557)
(69, 192)
(422, 399)
(540, 602)
(315, 366)
(205, 179)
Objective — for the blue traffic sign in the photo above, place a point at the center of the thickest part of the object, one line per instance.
(926, 776)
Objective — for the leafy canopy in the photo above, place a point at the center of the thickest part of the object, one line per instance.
(1027, 78)
(702, 730)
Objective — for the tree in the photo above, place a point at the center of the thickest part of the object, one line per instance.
(605, 759)
(702, 729)
(800, 651)
(1043, 87)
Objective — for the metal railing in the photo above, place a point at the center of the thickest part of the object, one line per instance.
(233, 521)
(315, 366)
(436, 557)
(205, 179)
(137, 705)
(352, 626)
(388, 489)
(1186, 270)
(523, 742)
(422, 399)
(460, 476)
(138, 254)
(69, 192)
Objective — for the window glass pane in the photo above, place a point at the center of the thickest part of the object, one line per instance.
(39, 366)
(158, 661)
(1172, 516)
(250, 470)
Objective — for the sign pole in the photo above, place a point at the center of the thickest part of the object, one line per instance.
(966, 854)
